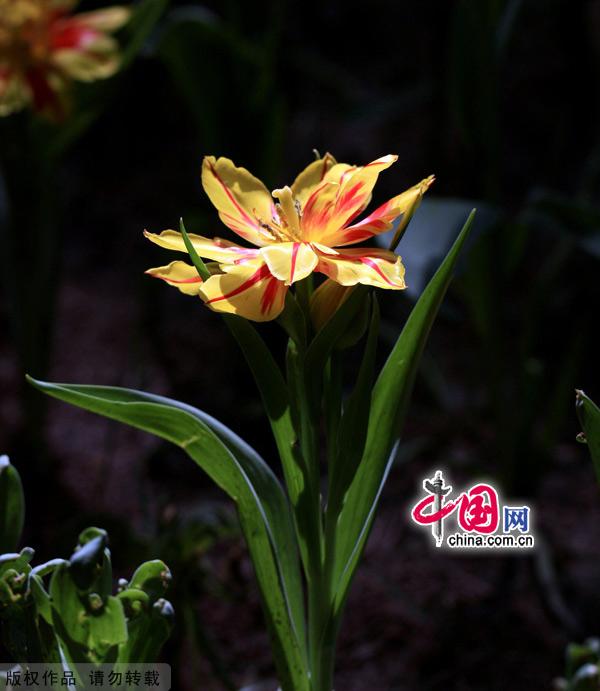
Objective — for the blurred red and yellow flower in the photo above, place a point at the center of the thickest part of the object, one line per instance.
(43, 48)
(295, 230)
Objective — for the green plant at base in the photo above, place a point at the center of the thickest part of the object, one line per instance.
(63, 611)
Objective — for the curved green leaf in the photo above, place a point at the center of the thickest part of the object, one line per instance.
(153, 578)
(275, 398)
(148, 632)
(589, 417)
(388, 408)
(88, 562)
(12, 506)
(108, 628)
(353, 426)
(262, 506)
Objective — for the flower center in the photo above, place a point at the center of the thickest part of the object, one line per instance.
(289, 213)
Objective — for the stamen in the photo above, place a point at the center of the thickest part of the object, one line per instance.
(289, 211)
(271, 232)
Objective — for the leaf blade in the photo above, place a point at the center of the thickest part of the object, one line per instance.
(276, 401)
(262, 506)
(353, 426)
(589, 417)
(389, 402)
(12, 506)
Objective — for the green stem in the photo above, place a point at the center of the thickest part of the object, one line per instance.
(320, 648)
(304, 290)
(333, 407)
(308, 504)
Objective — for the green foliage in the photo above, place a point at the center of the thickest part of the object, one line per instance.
(12, 506)
(332, 335)
(589, 417)
(65, 608)
(145, 593)
(352, 433)
(388, 409)
(234, 466)
(582, 667)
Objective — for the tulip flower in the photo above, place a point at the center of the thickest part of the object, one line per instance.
(295, 231)
(306, 533)
(44, 48)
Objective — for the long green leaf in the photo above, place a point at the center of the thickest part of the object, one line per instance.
(589, 417)
(197, 260)
(275, 398)
(353, 427)
(389, 403)
(325, 341)
(333, 388)
(12, 506)
(309, 501)
(262, 505)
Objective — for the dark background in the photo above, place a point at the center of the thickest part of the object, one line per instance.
(500, 101)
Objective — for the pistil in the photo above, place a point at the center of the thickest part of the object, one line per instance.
(289, 211)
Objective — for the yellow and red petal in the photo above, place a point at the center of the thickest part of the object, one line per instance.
(217, 249)
(248, 290)
(312, 176)
(99, 61)
(340, 172)
(243, 202)
(179, 275)
(290, 261)
(344, 193)
(320, 204)
(381, 220)
(374, 267)
(83, 51)
(108, 19)
(71, 34)
(81, 46)
(317, 211)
